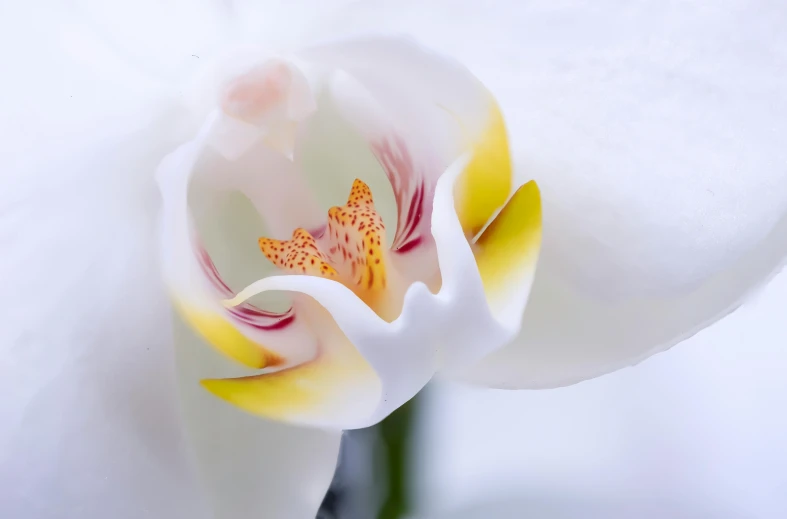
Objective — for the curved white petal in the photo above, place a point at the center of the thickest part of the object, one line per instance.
(254, 337)
(655, 137)
(249, 466)
(604, 336)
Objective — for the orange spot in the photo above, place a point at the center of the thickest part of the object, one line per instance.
(299, 247)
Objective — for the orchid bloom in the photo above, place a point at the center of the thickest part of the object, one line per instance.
(337, 219)
(373, 310)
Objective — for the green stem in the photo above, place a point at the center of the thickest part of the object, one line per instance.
(396, 432)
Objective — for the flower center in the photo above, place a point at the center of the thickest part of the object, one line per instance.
(348, 249)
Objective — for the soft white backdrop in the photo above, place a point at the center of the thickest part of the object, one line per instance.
(701, 428)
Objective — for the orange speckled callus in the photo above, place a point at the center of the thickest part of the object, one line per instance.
(352, 249)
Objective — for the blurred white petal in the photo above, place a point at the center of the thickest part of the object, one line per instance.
(252, 20)
(566, 507)
(61, 79)
(170, 40)
(697, 429)
(655, 135)
(164, 39)
(89, 417)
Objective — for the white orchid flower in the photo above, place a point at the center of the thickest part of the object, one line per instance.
(370, 320)
(231, 112)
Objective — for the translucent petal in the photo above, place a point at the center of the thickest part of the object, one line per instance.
(660, 164)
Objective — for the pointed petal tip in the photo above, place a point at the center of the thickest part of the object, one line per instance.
(225, 337)
(529, 195)
(242, 393)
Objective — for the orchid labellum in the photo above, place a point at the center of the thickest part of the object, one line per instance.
(337, 219)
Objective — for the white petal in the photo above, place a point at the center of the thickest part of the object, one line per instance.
(655, 137)
(249, 466)
(281, 22)
(166, 40)
(96, 88)
(171, 40)
(604, 336)
(89, 417)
